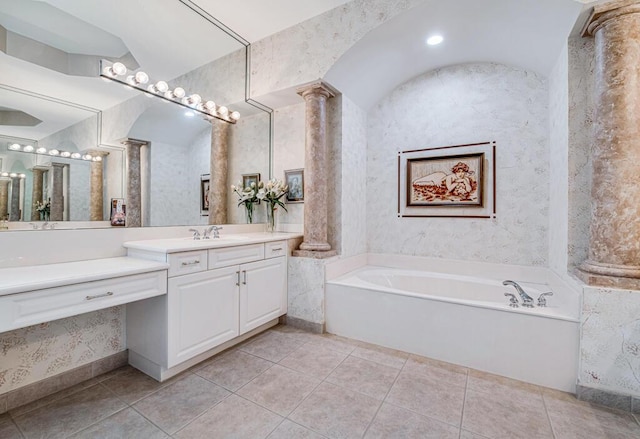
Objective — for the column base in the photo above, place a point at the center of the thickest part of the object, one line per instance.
(609, 275)
(316, 254)
(320, 246)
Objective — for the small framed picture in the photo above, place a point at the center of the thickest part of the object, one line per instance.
(247, 179)
(118, 212)
(204, 194)
(294, 178)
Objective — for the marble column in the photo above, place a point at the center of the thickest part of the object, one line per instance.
(219, 170)
(96, 194)
(315, 243)
(36, 192)
(4, 198)
(133, 202)
(15, 199)
(57, 192)
(614, 247)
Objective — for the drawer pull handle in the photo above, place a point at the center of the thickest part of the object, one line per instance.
(276, 249)
(97, 296)
(244, 273)
(238, 280)
(185, 264)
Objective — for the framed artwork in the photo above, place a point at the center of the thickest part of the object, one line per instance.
(448, 181)
(118, 212)
(204, 194)
(247, 179)
(294, 178)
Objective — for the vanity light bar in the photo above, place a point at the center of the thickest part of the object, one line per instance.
(12, 175)
(117, 72)
(53, 152)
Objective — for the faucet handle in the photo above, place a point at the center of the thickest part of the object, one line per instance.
(542, 301)
(513, 301)
(196, 234)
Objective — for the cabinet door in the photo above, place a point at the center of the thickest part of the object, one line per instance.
(203, 312)
(263, 292)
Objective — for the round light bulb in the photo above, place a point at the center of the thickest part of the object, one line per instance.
(179, 92)
(142, 78)
(235, 115)
(169, 94)
(28, 148)
(223, 110)
(4, 174)
(97, 159)
(54, 152)
(41, 150)
(162, 86)
(119, 68)
(434, 40)
(199, 107)
(76, 155)
(13, 175)
(15, 147)
(87, 157)
(65, 154)
(210, 105)
(195, 99)
(22, 176)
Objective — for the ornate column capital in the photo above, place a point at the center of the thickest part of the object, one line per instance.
(318, 87)
(601, 14)
(134, 142)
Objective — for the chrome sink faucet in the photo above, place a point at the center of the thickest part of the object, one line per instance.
(196, 234)
(207, 232)
(527, 300)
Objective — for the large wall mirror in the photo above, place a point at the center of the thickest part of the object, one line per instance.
(52, 100)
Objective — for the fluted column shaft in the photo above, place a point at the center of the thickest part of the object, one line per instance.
(15, 199)
(36, 192)
(133, 201)
(219, 170)
(614, 247)
(57, 192)
(4, 198)
(96, 194)
(315, 172)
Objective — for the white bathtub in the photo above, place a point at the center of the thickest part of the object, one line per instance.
(461, 318)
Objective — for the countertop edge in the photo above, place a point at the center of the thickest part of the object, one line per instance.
(141, 266)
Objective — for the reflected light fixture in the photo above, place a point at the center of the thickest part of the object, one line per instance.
(52, 152)
(117, 72)
(434, 40)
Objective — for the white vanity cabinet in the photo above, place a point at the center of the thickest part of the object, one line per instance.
(215, 298)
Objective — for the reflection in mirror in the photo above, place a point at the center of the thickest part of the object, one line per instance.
(205, 60)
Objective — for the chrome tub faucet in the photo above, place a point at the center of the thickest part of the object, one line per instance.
(527, 300)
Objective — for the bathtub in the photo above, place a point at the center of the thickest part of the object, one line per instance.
(456, 311)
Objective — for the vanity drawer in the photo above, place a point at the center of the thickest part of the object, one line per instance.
(187, 262)
(39, 306)
(227, 256)
(275, 249)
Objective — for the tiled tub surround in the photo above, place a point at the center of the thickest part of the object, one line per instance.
(290, 384)
(456, 311)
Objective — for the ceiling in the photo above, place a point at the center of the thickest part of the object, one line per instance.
(168, 39)
(526, 33)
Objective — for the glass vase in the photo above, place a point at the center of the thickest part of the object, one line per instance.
(249, 212)
(271, 217)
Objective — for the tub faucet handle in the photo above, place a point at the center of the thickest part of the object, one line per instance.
(542, 301)
(513, 301)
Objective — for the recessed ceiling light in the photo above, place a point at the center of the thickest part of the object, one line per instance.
(434, 40)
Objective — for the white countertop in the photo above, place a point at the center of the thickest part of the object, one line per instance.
(34, 277)
(174, 245)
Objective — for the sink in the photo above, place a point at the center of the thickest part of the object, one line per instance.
(222, 238)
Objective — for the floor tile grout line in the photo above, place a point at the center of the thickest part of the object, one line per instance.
(546, 411)
(366, 430)
(193, 420)
(464, 403)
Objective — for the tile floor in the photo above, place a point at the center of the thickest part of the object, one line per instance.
(286, 383)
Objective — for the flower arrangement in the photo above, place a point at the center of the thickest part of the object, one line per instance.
(248, 196)
(44, 209)
(272, 193)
